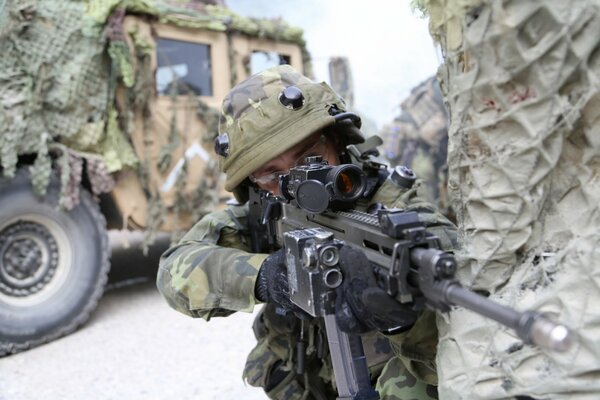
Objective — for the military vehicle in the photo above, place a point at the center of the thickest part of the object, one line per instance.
(108, 111)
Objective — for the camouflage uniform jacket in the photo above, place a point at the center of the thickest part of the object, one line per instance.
(211, 272)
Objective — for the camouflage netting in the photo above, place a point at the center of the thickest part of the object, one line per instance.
(522, 82)
(61, 65)
(54, 92)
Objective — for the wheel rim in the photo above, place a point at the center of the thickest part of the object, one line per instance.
(35, 258)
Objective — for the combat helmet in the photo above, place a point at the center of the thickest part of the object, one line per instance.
(270, 112)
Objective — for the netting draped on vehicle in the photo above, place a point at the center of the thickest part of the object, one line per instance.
(522, 84)
(53, 88)
(64, 65)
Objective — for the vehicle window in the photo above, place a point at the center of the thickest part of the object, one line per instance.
(261, 60)
(183, 68)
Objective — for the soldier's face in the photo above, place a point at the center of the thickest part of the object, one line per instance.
(267, 176)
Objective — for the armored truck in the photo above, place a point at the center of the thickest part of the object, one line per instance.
(108, 111)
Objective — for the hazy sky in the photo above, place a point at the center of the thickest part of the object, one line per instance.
(389, 47)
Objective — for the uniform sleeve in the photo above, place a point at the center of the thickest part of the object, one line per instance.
(211, 272)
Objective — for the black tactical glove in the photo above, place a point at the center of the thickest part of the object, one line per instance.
(361, 305)
(272, 285)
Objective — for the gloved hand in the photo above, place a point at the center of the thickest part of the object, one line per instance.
(272, 285)
(361, 305)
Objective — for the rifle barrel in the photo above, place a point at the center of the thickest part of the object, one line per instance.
(531, 326)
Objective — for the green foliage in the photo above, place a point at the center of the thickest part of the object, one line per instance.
(166, 153)
(121, 57)
(116, 150)
(41, 169)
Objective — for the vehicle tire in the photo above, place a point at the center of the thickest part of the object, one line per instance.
(53, 263)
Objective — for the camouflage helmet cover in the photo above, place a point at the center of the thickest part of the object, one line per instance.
(259, 127)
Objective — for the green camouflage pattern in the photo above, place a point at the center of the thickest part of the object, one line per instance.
(418, 138)
(51, 105)
(260, 127)
(210, 273)
(397, 383)
(276, 335)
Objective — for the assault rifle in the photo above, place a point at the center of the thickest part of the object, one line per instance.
(314, 217)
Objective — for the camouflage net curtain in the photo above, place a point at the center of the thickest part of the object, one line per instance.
(55, 98)
(522, 83)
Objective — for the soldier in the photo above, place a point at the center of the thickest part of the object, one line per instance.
(270, 123)
(418, 138)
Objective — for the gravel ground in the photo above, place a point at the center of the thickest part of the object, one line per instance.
(136, 347)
